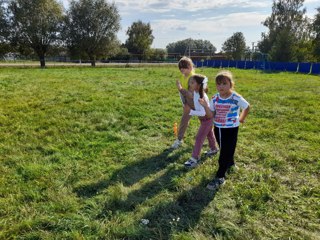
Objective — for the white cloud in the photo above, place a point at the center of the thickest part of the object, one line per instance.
(214, 20)
(187, 6)
(216, 24)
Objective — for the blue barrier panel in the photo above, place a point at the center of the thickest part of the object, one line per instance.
(241, 64)
(217, 64)
(249, 65)
(278, 66)
(232, 64)
(272, 66)
(260, 65)
(292, 66)
(315, 68)
(281, 66)
(198, 64)
(304, 67)
(224, 63)
(209, 63)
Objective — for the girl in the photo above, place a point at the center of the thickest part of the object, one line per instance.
(186, 68)
(198, 84)
(225, 107)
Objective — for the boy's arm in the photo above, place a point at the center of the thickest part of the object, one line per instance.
(244, 114)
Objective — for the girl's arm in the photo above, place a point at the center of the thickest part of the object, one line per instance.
(198, 113)
(183, 92)
(179, 86)
(207, 109)
(244, 114)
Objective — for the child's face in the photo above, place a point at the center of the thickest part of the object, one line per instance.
(194, 86)
(223, 86)
(185, 71)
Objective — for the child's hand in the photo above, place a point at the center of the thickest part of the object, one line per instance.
(203, 102)
(178, 83)
(244, 114)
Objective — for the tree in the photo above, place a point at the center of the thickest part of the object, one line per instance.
(316, 41)
(235, 46)
(4, 30)
(122, 54)
(182, 47)
(3, 22)
(159, 54)
(140, 38)
(288, 28)
(283, 47)
(35, 24)
(91, 27)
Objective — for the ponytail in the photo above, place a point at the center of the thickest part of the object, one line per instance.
(201, 90)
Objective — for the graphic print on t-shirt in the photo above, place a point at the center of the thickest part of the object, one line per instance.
(227, 110)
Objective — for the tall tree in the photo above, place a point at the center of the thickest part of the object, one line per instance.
(286, 28)
(183, 46)
(3, 22)
(235, 46)
(4, 30)
(316, 41)
(140, 38)
(35, 24)
(91, 27)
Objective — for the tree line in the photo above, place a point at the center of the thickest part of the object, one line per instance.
(291, 35)
(88, 29)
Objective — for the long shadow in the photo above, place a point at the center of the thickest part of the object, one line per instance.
(147, 191)
(131, 173)
(171, 216)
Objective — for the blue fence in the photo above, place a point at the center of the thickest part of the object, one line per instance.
(313, 68)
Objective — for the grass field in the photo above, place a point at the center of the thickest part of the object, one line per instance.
(84, 155)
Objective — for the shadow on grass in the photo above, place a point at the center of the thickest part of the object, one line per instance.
(174, 215)
(131, 173)
(147, 191)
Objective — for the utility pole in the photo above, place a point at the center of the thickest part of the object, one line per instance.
(252, 51)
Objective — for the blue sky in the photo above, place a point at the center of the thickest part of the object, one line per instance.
(213, 20)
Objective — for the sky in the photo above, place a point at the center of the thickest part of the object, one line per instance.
(213, 20)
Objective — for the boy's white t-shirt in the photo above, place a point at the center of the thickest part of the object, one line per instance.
(227, 110)
(199, 109)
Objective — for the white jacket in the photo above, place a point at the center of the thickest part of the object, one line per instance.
(199, 109)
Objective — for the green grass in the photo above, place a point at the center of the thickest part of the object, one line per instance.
(84, 155)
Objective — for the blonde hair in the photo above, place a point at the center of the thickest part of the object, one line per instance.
(225, 74)
(185, 62)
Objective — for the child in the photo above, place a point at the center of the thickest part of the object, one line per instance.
(186, 68)
(198, 84)
(225, 106)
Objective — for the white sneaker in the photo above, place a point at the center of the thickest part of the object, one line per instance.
(211, 152)
(191, 163)
(177, 143)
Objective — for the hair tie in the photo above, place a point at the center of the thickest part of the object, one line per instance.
(205, 82)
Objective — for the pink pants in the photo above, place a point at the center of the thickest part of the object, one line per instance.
(205, 131)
